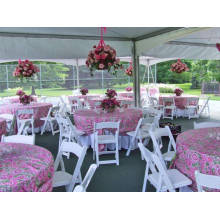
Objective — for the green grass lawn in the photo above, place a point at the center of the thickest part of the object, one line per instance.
(61, 91)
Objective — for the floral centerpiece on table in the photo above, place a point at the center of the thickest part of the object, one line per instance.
(84, 91)
(178, 91)
(111, 93)
(179, 67)
(20, 93)
(25, 69)
(109, 104)
(25, 99)
(129, 89)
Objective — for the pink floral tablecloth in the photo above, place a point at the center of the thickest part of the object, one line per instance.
(25, 168)
(3, 126)
(198, 150)
(126, 94)
(40, 110)
(180, 101)
(85, 119)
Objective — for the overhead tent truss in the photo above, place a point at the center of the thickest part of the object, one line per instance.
(38, 44)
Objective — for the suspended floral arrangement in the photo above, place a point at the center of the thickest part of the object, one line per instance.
(84, 91)
(129, 70)
(179, 67)
(218, 46)
(25, 69)
(103, 57)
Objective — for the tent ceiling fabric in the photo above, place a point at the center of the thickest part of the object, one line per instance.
(198, 45)
(63, 43)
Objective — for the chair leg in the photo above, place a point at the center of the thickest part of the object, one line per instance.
(97, 155)
(145, 180)
(44, 126)
(51, 125)
(129, 148)
(117, 154)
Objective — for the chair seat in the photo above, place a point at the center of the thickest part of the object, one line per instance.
(8, 117)
(192, 106)
(61, 178)
(168, 156)
(45, 118)
(142, 134)
(106, 139)
(169, 107)
(177, 179)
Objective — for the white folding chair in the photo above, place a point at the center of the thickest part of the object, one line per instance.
(168, 107)
(142, 132)
(42, 99)
(83, 186)
(155, 103)
(161, 178)
(106, 127)
(206, 125)
(75, 104)
(192, 107)
(156, 137)
(50, 119)
(23, 139)
(25, 117)
(10, 121)
(63, 178)
(126, 104)
(204, 108)
(205, 180)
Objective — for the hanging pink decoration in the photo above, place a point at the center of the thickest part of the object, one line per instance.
(25, 69)
(218, 46)
(179, 67)
(129, 70)
(103, 57)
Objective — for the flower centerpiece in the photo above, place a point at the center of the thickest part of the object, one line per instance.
(25, 69)
(129, 89)
(179, 67)
(111, 93)
(25, 99)
(109, 104)
(84, 91)
(178, 91)
(129, 70)
(103, 57)
(20, 93)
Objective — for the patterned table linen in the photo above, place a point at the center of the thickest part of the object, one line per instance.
(198, 150)
(25, 168)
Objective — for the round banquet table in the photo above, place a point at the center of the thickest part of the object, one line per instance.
(40, 110)
(25, 168)
(198, 150)
(180, 101)
(3, 126)
(85, 119)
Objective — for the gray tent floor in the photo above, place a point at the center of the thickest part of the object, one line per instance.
(127, 177)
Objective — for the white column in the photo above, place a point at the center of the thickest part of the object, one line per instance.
(77, 73)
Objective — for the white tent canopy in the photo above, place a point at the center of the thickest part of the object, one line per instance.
(144, 44)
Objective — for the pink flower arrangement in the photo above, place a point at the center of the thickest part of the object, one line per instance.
(218, 46)
(129, 70)
(25, 69)
(178, 91)
(103, 57)
(20, 92)
(179, 67)
(25, 99)
(111, 93)
(129, 89)
(84, 91)
(109, 104)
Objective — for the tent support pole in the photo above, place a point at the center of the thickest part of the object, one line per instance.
(136, 83)
(77, 73)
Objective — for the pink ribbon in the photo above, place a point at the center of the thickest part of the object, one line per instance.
(102, 42)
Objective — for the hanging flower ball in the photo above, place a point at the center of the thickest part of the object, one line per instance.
(103, 57)
(25, 69)
(129, 70)
(179, 67)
